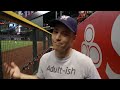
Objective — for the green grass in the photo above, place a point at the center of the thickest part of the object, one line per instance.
(11, 44)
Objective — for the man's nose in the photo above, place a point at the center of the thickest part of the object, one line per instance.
(58, 36)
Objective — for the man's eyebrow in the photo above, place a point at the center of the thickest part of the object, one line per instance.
(66, 31)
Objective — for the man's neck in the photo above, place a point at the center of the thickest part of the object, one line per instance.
(63, 54)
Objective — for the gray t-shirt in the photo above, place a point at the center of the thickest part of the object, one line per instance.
(75, 66)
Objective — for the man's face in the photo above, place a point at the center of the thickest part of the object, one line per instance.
(62, 38)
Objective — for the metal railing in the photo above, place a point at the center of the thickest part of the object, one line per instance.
(33, 40)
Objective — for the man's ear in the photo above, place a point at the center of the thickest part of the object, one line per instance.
(74, 37)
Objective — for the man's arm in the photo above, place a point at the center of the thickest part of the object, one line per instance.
(14, 72)
(92, 71)
(25, 76)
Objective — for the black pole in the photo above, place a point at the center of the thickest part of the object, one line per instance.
(44, 41)
(35, 65)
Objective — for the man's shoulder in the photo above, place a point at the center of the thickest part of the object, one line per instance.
(46, 58)
(80, 55)
(48, 54)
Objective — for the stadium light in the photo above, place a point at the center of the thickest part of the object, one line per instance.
(43, 12)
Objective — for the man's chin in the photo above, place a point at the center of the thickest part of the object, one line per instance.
(59, 49)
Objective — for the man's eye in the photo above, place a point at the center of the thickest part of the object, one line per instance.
(55, 31)
(65, 34)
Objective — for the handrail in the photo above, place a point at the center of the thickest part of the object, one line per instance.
(36, 59)
(20, 18)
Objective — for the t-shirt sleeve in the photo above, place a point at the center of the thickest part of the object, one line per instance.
(40, 73)
(92, 72)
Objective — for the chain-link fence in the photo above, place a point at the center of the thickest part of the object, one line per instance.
(22, 44)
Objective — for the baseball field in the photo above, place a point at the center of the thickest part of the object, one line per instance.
(21, 52)
(12, 44)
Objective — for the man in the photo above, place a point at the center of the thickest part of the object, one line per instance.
(63, 62)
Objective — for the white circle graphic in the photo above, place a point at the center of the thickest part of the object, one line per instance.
(89, 33)
(115, 35)
(94, 54)
(84, 49)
